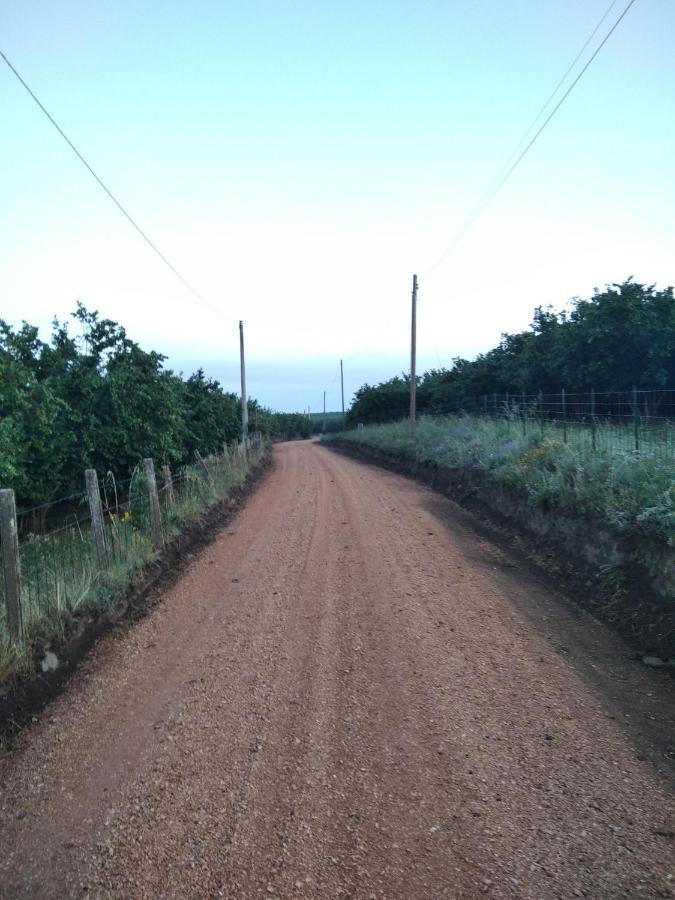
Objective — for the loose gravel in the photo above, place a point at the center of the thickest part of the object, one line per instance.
(345, 696)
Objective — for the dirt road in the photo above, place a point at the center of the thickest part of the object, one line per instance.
(348, 694)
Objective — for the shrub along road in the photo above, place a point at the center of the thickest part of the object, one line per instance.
(350, 693)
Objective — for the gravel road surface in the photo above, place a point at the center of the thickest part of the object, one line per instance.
(349, 694)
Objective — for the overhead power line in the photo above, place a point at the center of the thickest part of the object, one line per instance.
(114, 199)
(509, 166)
(500, 180)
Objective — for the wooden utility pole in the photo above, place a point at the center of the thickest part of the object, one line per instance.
(96, 513)
(413, 358)
(342, 389)
(244, 399)
(9, 541)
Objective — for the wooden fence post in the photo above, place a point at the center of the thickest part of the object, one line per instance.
(97, 529)
(155, 513)
(168, 484)
(9, 537)
(204, 468)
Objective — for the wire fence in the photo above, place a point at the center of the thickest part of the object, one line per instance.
(637, 421)
(61, 569)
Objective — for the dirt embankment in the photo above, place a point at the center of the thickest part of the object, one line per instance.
(349, 693)
(626, 581)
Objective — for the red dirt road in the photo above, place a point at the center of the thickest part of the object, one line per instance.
(348, 694)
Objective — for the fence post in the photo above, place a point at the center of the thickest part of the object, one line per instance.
(204, 468)
(97, 529)
(9, 538)
(155, 513)
(541, 412)
(168, 484)
(564, 413)
(593, 433)
(636, 419)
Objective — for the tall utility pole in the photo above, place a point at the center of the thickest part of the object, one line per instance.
(342, 389)
(413, 358)
(244, 398)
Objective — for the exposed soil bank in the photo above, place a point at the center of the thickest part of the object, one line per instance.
(625, 580)
(22, 697)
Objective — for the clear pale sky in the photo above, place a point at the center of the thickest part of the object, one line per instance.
(297, 162)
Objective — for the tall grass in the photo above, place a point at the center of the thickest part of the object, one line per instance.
(624, 488)
(60, 580)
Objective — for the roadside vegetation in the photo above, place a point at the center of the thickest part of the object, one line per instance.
(623, 489)
(609, 454)
(98, 400)
(63, 586)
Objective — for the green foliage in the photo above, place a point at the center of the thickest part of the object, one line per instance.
(619, 487)
(281, 426)
(381, 403)
(98, 401)
(620, 337)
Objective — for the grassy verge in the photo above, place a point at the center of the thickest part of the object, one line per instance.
(605, 516)
(624, 489)
(63, 589)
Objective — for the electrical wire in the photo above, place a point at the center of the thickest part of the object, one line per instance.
(484, 200)
(501, 181)
(510, 165)
(114, 199)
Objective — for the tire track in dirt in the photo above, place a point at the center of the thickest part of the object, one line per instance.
(342, 697)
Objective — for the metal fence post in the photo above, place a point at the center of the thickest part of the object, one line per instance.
(9, 538)
(541, 412)
(97, 529)
(155, 512)
(636, 419)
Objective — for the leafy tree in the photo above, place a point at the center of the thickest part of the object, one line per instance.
(619, 337)
(98, 400)
(211, 416)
